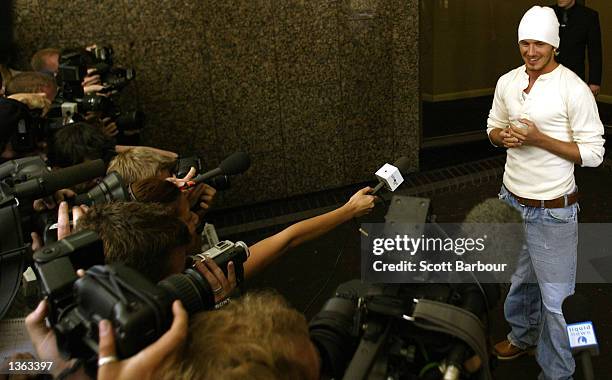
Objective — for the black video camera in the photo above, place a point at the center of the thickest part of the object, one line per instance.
(139, 310)
(392, 331)
(72, 71)
(21, 182)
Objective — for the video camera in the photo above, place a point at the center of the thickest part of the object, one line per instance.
(21, 182)
(73, 66)
(433, 328)
(71, 103)
(405, 331)
(139, 310)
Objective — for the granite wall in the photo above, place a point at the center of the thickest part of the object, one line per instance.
(320, 93)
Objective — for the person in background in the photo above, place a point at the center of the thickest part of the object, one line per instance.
(579, 31)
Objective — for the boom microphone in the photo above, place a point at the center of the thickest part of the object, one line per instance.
(49, 182)
(390, 176)
(236, 163)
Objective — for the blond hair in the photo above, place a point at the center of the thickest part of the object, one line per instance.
(29, 82)
(139, 163)
(255, 337)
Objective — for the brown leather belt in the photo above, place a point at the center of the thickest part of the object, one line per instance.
(560, 202)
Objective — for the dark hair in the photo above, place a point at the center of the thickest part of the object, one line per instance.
(77, 142)
(140, 235)
(29, 82)
(155, 190)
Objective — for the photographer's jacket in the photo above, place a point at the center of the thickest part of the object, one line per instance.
(11, 112)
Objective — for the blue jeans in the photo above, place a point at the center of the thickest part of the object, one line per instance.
(545, 276)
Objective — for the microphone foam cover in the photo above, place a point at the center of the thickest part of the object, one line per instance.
(237, 163)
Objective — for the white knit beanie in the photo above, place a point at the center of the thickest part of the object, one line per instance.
(540, 24)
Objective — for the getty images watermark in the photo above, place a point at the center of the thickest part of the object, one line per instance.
(455, 253)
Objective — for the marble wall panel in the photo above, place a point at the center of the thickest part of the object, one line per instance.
(307, 43)
(247, 118)
(311, 113)
(83, 19)
(264, 180)
(319, 92)
(171, 69)
(175, 125)
(362, 158)
(164, 19)
(28, 30)
(313, 164)
(241, 55)
(238, 14)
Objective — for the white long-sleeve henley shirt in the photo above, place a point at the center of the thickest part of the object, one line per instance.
(561, 106)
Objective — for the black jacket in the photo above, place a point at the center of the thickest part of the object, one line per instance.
(11, 112)
(579, 30)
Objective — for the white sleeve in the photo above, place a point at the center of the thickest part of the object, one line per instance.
(498, 115)
(587, 129)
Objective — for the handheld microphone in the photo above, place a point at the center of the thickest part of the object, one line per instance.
(49, 182)
(236, 163)
(581, 332)
(390, 176)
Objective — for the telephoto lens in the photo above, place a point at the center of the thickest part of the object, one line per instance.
(139, 310)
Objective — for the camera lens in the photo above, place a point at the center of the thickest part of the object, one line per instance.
(191, 288)
(96, 103)
(130, 121)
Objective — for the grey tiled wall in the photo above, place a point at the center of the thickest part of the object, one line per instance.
(320, 93)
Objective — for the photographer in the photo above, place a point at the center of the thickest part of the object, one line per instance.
(13, 109)
(46, 61)
(140, 163)
(30, 82)
(152, 241)
(27, 93)
(153, 259)
(82, 141)
(79, 142)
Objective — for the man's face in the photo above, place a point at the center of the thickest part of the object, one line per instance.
(50, 92)
(565, 3)
(537, 55)
(52, 63)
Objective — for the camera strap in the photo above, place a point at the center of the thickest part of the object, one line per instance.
(369, 347)
(453, 320)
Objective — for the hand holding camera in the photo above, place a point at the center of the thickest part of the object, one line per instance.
(146, 363)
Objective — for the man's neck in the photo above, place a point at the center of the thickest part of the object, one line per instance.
(535, 74)
(568, 6)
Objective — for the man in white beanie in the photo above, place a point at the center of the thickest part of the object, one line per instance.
(547, 118)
